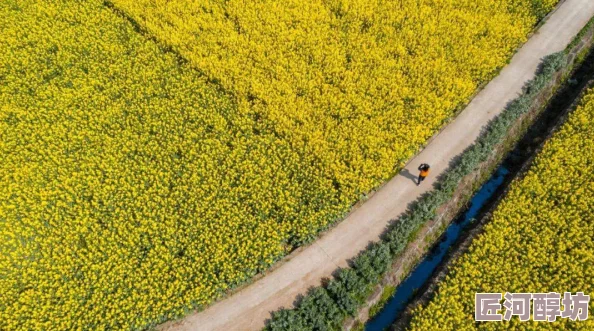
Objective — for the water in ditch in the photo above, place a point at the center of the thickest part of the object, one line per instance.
(424, 270)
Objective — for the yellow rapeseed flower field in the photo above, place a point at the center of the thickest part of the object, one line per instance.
(360, 84)
(541, 238)
(135, 184)
(130, 189)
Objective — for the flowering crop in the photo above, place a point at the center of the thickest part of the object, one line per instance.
(541, 238)
(360, 84)
(130, 189)
(133, 188)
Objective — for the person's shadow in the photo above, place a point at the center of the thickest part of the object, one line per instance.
(407, 174)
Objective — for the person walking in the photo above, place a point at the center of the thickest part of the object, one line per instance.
(424, 169)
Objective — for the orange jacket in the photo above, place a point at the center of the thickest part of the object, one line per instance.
(424, 173)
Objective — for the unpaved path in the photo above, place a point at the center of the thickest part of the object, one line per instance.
(249, 308)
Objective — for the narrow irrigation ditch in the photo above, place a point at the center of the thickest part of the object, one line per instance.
(422, 281)
(422, 272)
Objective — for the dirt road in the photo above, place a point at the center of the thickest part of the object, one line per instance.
(249, 308)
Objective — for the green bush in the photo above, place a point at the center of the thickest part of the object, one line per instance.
(347, 301)
(286, 320)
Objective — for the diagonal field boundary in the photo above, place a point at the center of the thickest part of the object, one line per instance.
(251, 307)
